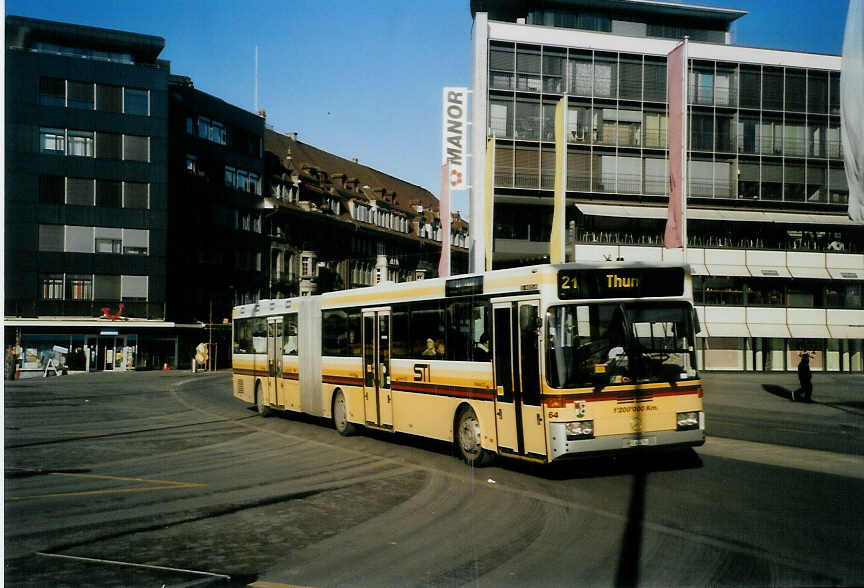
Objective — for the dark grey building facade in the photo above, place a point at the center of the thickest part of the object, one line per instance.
(86, 196)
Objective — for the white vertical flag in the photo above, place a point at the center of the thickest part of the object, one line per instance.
(852, 107)
(444, 214)
(676, 89)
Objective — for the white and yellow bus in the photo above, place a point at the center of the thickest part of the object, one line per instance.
(538, 363)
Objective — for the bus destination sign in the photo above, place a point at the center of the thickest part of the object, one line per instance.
(620, 283)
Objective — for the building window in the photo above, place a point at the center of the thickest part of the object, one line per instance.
(136, 241)
(134, 288)
(79, 287)
(191, 164)
(79, 191)
(136, 195)
(51, 237)
(108, 193)
(81, 144)
(52, 92)
(51, 286)
(190, 126)
(80, 95)
(79, 239)
(52, 189)
(109, 145)
(109, 246)
(52, 140)
(136, 148)
(136, 101)
(230, 177)
(109, 98)
(106, 287)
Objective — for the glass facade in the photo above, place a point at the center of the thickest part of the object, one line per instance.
(756, 132)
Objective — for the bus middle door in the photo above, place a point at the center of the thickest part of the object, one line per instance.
(377, 395)
(273, 386)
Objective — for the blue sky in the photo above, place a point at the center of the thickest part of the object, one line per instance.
(363, 78)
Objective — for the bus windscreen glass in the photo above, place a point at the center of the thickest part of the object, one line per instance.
(604, 344)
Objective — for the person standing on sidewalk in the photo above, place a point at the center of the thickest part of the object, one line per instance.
(805, 378)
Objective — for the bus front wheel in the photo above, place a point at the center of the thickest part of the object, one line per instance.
(340, 415)
(263, 409)
(468, 439)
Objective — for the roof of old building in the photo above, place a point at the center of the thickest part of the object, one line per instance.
(396, 193)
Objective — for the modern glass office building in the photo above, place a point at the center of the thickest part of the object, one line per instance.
(779, 267)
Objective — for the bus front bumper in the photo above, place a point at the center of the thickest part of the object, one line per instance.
(561, 447)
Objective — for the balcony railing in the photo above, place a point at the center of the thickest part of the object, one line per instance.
(83, 308)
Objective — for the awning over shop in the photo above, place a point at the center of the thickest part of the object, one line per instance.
(726, 329)
(809, 332)
(769, 271)
(660, 212)
(768, 330)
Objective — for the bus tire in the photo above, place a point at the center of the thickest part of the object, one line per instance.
(340, 415)
(467, 438)
(263, 409)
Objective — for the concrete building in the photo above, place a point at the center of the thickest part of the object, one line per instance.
(86, 196)
(778, 266)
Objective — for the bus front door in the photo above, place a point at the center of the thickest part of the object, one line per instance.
(377, 395)
(273, 385)
(519, 414)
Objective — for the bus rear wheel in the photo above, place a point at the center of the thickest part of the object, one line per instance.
(468, 439)
(263, 409)
(340, 416)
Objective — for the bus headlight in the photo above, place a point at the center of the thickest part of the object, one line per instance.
(688, 420)
(579, 430)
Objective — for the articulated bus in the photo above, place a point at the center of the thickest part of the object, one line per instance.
(538, 363)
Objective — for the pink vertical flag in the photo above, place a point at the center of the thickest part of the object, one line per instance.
(444, 214)
(676, 89)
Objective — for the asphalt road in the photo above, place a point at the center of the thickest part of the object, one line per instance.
(152, 479)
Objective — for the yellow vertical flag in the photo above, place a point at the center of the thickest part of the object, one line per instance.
(488, 204)
(556, 240)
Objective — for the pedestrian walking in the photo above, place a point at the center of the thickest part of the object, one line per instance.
(805, 378)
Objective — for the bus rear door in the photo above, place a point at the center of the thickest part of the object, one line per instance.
(519, 415)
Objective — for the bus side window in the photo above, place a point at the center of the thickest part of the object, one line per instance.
(289, 341)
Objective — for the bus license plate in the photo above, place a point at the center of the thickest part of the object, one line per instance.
(640, 442)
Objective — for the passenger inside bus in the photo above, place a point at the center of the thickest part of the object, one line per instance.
(430, 348)
(481, 349)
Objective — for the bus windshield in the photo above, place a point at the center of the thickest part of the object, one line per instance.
(613, 343)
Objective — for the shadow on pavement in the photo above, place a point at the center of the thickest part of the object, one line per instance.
(779, 391)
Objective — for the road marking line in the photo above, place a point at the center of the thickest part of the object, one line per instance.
(161, 485)
(264, 584)
(134, 565)
(826, 462)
